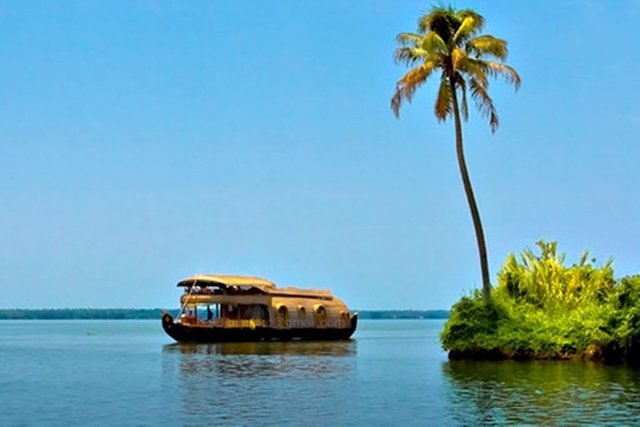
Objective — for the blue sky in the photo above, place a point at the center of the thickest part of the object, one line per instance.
(141, 142)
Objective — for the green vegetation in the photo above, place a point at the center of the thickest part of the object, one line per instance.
(155, 313)
(542, 308)
(449, 42)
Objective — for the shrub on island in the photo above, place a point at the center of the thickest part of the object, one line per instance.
(544, 309)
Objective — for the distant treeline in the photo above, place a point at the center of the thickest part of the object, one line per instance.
(404, 314)
(80, 313)
(155, 313)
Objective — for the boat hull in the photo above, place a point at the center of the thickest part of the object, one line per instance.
(204, 334)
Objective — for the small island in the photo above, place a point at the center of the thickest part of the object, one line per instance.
(542, 308)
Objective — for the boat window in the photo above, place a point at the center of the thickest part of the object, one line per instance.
(320, 316)
(283, 317)
(253, 311)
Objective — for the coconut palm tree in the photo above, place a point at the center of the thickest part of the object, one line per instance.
(450, 45)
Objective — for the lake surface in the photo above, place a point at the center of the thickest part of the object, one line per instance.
(130, 373)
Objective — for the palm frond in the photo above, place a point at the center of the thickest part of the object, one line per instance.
(434, 44)
(477, 18)
(474, 68)
(488, 45)
(458, 55)
(409, 55)
(409, 39)
(484, 103)
(468, 27)
(409, 83)
(444, 101)
(497, 69)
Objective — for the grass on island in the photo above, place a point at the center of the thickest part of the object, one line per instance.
(544, 309)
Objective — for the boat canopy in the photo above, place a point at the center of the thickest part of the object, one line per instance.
(264, 285)
(225, 281)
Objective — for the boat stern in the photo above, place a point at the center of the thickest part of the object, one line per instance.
(354, 322)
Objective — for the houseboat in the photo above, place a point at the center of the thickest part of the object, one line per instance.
(224, 308)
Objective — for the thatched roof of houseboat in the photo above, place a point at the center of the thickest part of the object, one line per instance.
(264, 285)
(225, 280)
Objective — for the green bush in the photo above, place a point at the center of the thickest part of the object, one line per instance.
(544, 280)
(472, 325)
(623, 322)
(543, 308)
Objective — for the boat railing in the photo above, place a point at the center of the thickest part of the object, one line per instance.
(243, 323)
(227, 323)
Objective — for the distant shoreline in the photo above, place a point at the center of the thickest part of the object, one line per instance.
(155, 313)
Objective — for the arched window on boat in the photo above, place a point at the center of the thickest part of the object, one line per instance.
(303, 322)
(344, 318)
(282, 318)
(320, 316)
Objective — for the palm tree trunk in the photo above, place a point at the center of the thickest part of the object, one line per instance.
(473, 207)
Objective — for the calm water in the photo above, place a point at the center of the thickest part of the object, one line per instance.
(129, 373)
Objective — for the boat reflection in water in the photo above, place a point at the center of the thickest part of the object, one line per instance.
(261, 359)
(299, 348)
(228, 382)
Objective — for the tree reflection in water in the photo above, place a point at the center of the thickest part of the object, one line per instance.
(541, 392)
(217, 382)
